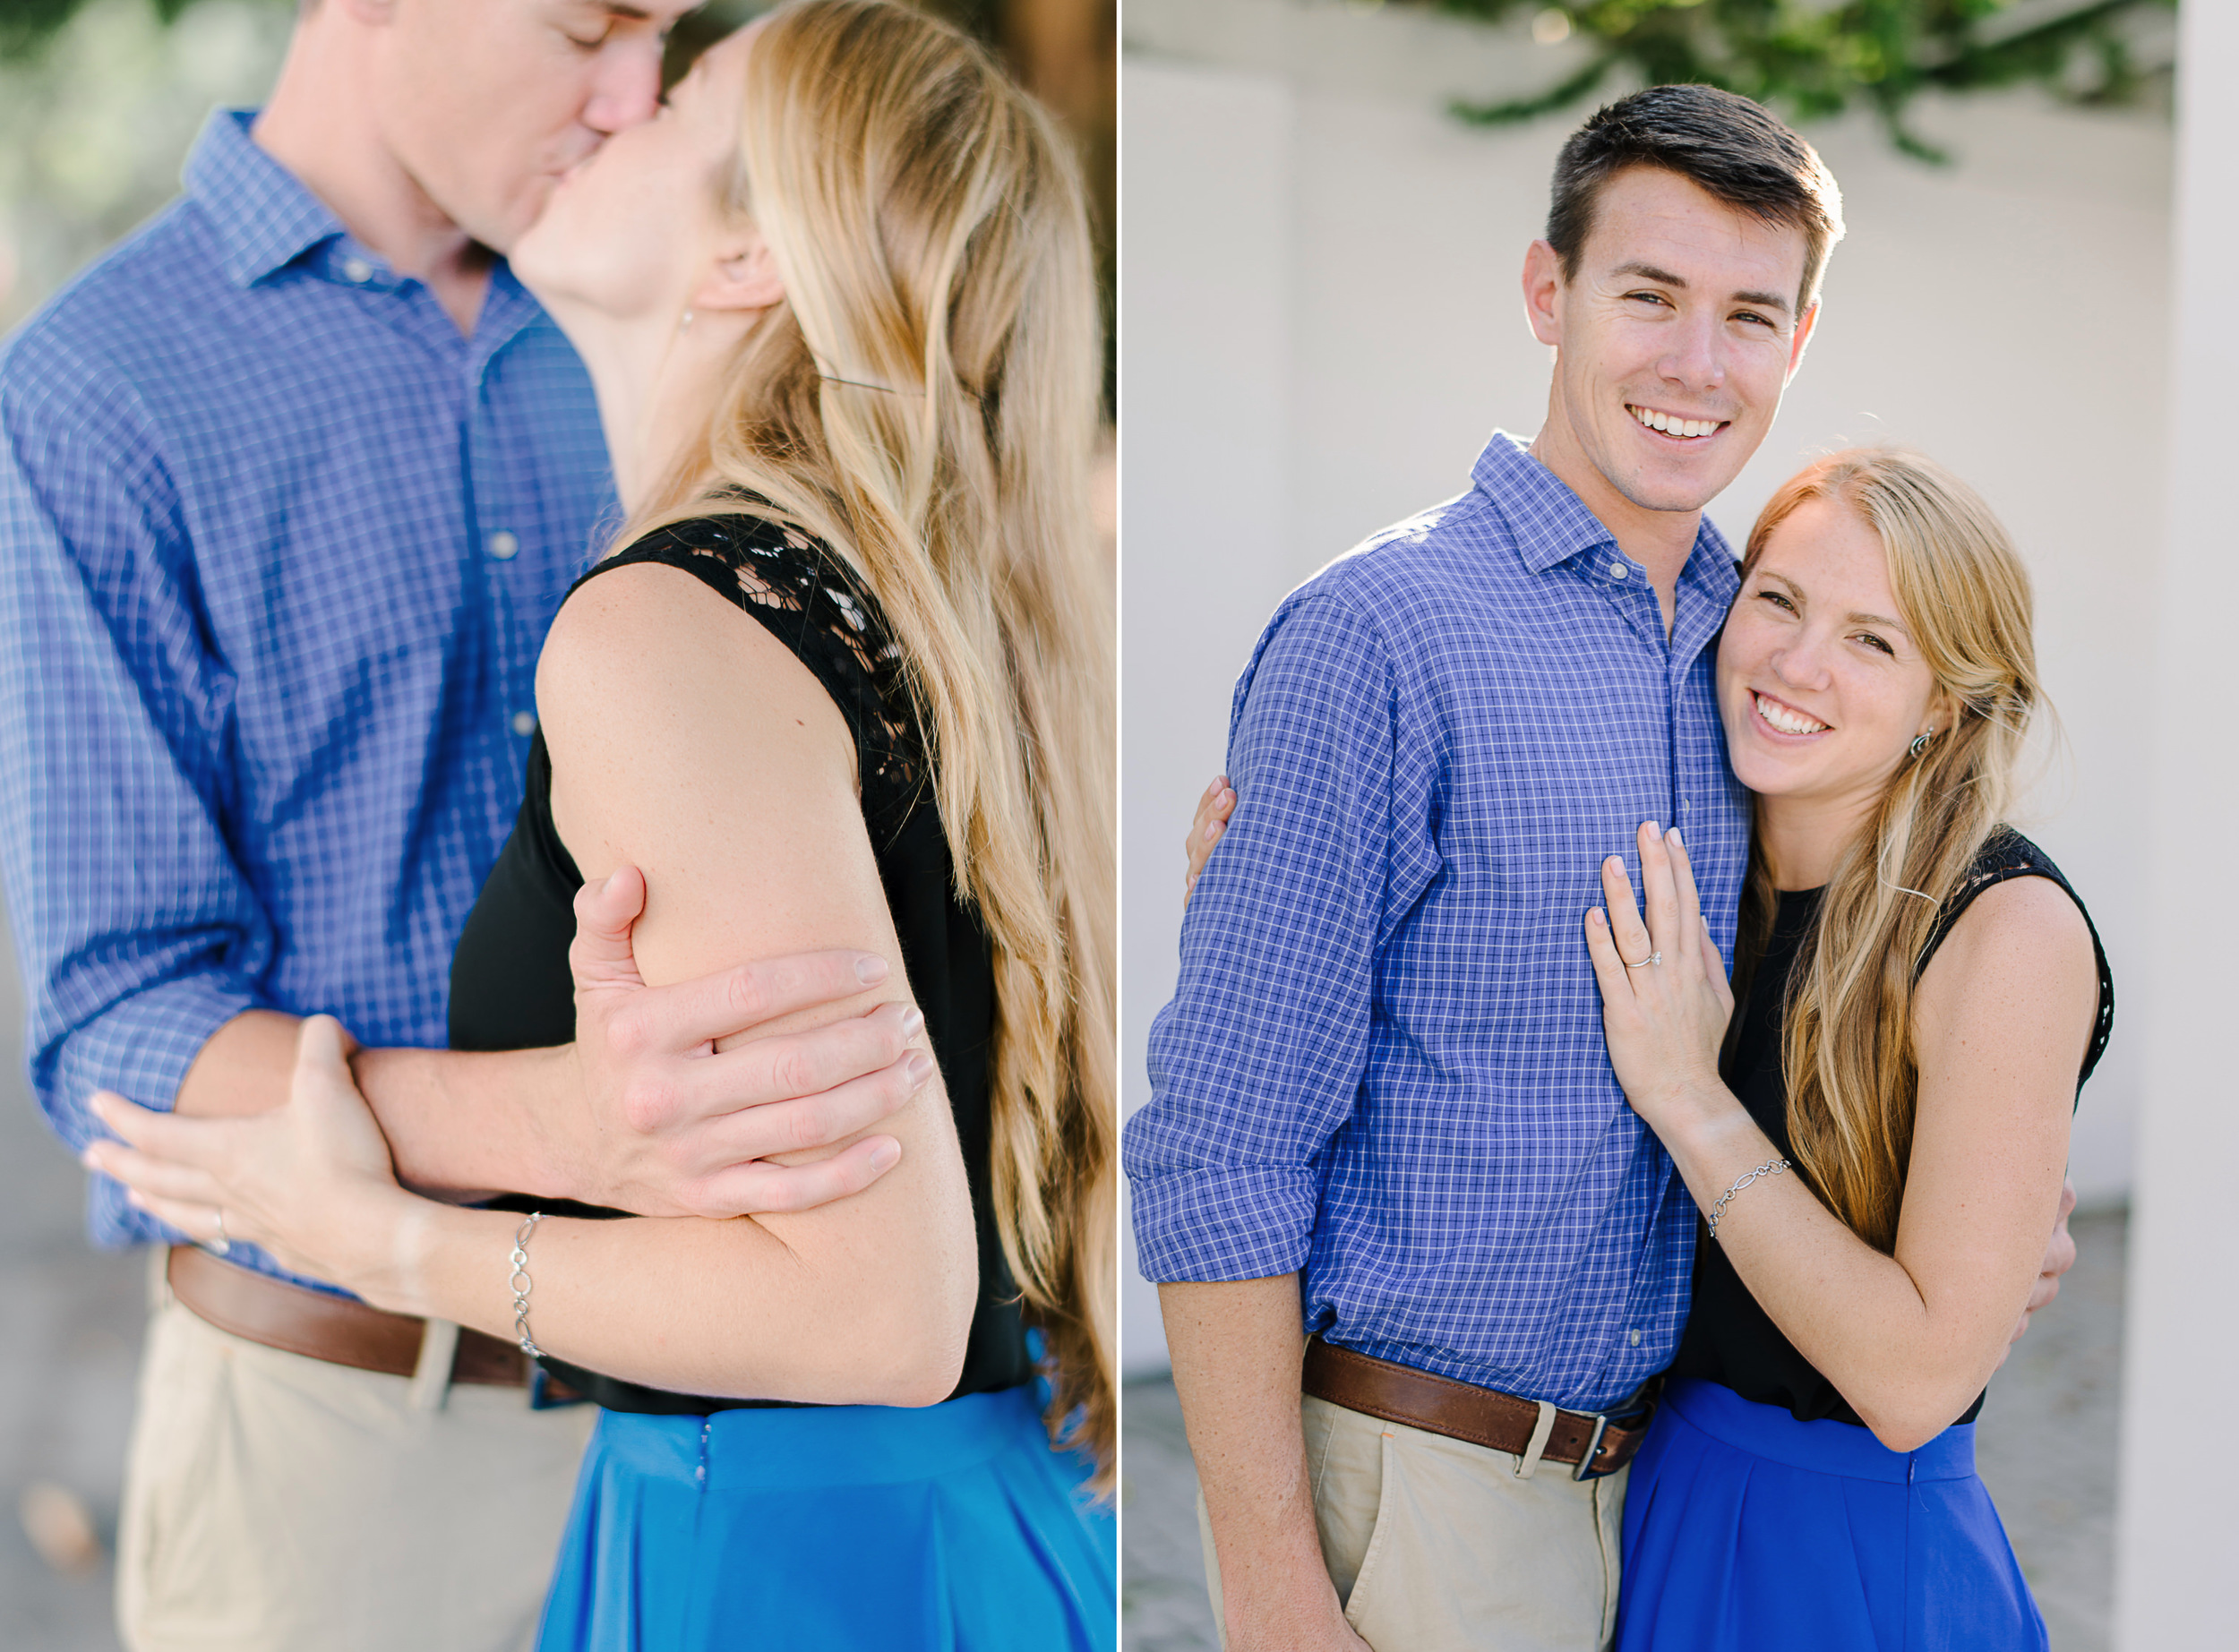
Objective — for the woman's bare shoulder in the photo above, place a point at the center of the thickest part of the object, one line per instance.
(649, 648)
(2021, 953)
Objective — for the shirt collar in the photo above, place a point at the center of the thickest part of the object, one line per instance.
(264, 217)
(1552, 525)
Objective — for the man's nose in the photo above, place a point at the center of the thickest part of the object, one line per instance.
(626, 84)
(1693, 357)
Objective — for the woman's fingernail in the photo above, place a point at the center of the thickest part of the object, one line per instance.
(1596, 918)
(90, 1158)
(1654, 830)
(912, 1019)
(921, 1068)
(885, 1154)
(871, 970)
(1676, 839)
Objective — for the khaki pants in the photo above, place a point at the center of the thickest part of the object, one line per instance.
(276, 1502)
(1437, 1546)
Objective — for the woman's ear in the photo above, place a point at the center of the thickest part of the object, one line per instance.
(743, 276)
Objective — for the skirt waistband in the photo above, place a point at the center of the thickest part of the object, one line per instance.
(1823, 1447)
(775, 1450)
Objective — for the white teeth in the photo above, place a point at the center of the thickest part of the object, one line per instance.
(1671, 427)
(1788, 720)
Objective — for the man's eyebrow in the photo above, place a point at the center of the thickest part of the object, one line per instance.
(1664, 278)
(1763, 300)
(1650, 272)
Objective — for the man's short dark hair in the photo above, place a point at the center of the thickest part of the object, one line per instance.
(1729, 147)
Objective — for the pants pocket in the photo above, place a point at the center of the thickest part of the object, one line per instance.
(1361, 1599)
(167, 1582)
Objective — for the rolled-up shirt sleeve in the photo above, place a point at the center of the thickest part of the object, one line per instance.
(1258, 1059)
(136, 933)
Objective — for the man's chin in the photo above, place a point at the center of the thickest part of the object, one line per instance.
(1675, 496)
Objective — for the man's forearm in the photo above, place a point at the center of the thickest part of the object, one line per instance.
(460, 1124)
(1237, 1347)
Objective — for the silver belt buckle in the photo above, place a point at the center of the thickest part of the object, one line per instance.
(1585, 1469)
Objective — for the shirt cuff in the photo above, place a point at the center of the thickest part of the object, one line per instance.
(141, 1047)
(1206, 1225)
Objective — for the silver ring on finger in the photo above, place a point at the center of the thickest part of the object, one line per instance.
(1653, 957)
(221, 1245)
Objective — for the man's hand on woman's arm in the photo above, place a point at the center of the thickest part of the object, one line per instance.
(1237, 1347)
(640, 1113)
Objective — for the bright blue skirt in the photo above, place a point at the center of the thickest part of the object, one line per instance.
(952, 1527)
(1745, 1530)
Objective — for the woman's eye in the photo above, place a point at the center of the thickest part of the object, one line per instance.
(1872, 641)
(1774, 596)
(594, 43)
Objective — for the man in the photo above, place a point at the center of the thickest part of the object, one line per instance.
(1381, 1093)
(291, 485)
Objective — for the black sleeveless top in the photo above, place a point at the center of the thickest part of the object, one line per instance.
(510, 985)
(1729, 1338)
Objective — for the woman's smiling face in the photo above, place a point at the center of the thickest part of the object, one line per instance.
(1820, 686)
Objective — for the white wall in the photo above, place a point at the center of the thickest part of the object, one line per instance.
(1321, 322)
(2178, 1527)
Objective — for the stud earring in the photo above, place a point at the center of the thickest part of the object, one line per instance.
(685, 325)
(1921, 742)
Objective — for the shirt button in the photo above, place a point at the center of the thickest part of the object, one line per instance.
(1632, 1338)
(357, 270)
(524, 724)
(1618, 570)
(504, 546)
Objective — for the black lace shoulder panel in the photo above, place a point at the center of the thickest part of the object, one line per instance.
(809, 599)
(2007, 854)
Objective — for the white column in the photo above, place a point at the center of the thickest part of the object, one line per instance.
(1204, 482)
(2178, 1535)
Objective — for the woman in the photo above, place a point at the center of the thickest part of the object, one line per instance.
(1880, 1152)
(844, 685)
(1879, 1157)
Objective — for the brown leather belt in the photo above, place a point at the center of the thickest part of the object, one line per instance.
(1591, 1444)
(335, 1328)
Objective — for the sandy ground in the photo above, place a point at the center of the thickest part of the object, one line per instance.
(2044, 1445)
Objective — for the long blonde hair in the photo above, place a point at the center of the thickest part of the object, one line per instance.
(1847, 1042)
(926, 400)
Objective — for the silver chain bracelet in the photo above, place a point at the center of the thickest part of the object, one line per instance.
(522, 1284)
(1771, 1167)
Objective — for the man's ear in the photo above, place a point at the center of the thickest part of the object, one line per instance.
(1543, 292)
(743, 277)
(1802, 337)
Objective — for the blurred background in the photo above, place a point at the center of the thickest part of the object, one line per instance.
(1328, 207)
(99, 100)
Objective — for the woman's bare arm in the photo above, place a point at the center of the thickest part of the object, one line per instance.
(687, 741)
(2002, 1017)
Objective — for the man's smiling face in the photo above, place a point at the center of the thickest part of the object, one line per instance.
(1674, 338)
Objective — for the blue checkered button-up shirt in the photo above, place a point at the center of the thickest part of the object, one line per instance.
(279, 547)
(1383, 1065)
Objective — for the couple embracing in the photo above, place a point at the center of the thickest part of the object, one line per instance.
(1528, 1286)
(315, 719)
